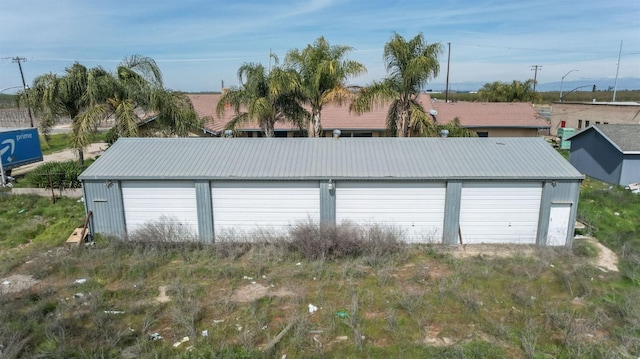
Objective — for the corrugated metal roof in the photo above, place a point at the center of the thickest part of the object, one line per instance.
(324, 158)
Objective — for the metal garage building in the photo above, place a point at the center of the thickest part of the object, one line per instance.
(503, 190)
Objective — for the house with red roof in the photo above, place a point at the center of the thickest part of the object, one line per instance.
(486, 119)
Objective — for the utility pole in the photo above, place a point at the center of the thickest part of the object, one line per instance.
(535, 75)
(19, 60)
(446, 91)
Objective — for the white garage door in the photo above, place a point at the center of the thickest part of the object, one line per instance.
(241, 208)
(151, 201)
(415, 209)
(495, 212)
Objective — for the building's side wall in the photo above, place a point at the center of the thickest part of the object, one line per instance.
(508, 132)
(558, 192)
(104, 199)
(594, 156)
(630, 170)
(612, 114)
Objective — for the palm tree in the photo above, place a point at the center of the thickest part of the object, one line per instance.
(264, 98)
(323, 71)
(135, 90)
(90, 96)
(410, 65)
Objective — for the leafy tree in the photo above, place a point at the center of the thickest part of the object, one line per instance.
(410, 65)
(515, 91)
(265, 96)
(90, 96)
(455, 130)
(323, 71)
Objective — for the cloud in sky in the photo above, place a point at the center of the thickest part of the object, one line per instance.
(199, 43)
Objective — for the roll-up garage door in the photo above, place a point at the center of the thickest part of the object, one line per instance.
(498, 212)
(242, 208)
(414, 209)
(151, 201)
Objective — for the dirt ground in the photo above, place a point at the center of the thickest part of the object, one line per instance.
(94, 149)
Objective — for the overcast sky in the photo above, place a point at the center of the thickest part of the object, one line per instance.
(199, 43)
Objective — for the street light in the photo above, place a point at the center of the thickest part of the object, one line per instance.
(565, 75)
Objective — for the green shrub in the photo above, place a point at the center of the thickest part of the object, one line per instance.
(59, 174)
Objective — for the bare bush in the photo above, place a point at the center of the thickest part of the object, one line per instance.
(322, 241)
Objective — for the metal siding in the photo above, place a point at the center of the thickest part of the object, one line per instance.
(565, 192)
(452, 212)
(104, 199)
(241, 208)
(630, 170)
(500, 212)
(149, 201)
(327, 204)
(324, 158)
(205, 211)
(414, 208)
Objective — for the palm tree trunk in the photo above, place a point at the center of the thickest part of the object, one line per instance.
(81, 156)
(316, 126)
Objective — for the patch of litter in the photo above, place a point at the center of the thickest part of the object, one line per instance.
(342, 314)
(78, 295)
(616, 213)
(113, 312)
(312, 308)
(178, 343)
(80, 281)
(216, 321)
(298, 264)
(247, 278)
(155, 336)
(205, 333)
(6, 282)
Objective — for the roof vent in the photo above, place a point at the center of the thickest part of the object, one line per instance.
(444, 133)
(433, 112)
(336, 133)
(228, 133)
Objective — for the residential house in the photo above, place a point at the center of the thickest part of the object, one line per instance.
(610, 153)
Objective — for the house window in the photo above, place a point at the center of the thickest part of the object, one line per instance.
(586, 123)
(579, 124)
(606, 123)
(483, 133)
(597, 122)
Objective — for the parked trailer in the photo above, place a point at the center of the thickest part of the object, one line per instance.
(18, 147)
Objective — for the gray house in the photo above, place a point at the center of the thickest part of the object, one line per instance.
(610, 153)
(506, 190)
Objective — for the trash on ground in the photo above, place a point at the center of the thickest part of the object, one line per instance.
(78, 295)
(299, 264)
(113, 312)
(155, 336)
(342, 314)
(178, 343)
(216, 321)
(80, 281)
(205, 333)
(22, 211)
(312, 308)
(248, 278)
(6, 282)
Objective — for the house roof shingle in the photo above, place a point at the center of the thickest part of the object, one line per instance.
(471, 115)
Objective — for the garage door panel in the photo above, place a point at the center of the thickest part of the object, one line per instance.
(151, 201)
(496, 212)
(244, 207)
(416, 209)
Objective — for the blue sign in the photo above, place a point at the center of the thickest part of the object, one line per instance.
(19, 147)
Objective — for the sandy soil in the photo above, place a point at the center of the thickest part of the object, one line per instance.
(16, 283)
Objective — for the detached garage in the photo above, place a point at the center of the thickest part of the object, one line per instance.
(437, 190)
